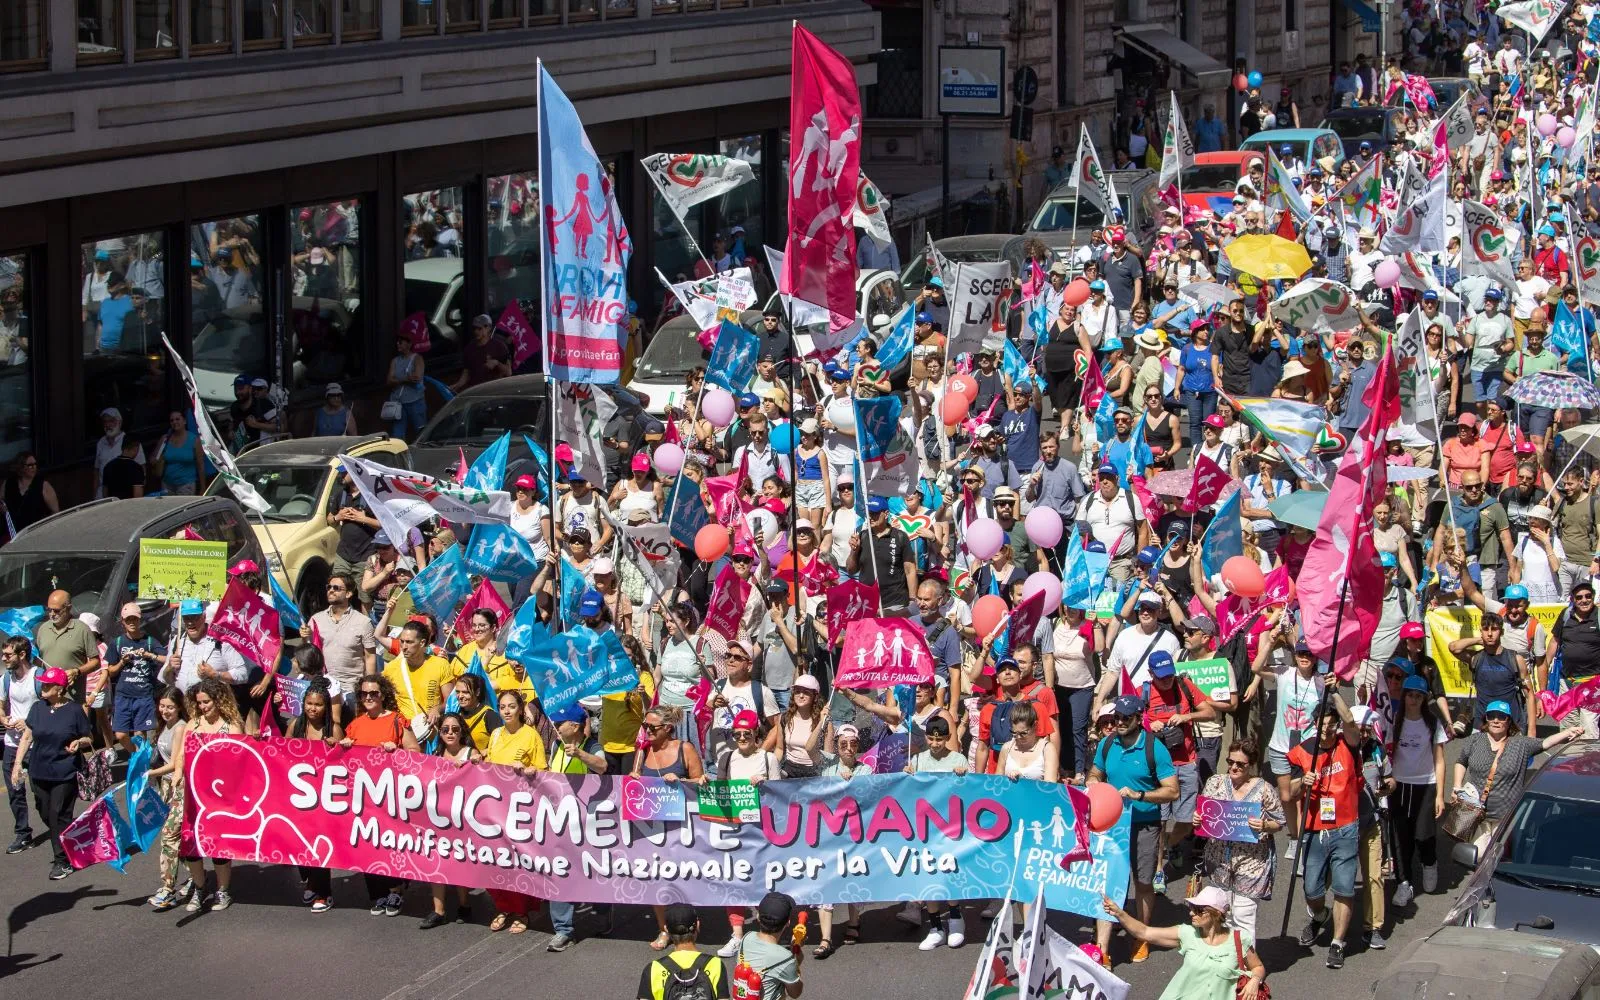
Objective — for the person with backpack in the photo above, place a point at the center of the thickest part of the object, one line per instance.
(1011, 688)
(769, 966)
(746, 760)
(1172, 705)
(1139, 766)
(739, 692)
(1576, 641)
(1497, 673)
(1129, 660)
(684, 972)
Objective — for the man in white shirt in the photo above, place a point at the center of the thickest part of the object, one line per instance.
(1528, 296)
(196, 656)
(1130, 651)
(1366, 257)
(1508, 61)
(1115, 520)
(1476, 57)
(759, 459)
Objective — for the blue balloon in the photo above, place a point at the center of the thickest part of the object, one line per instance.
(1254, 78)
(784, 438)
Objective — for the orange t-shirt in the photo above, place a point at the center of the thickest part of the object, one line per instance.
(1459, 458)
(369, 732)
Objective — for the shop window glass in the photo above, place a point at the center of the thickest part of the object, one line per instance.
(513, 244)
(741, 207)
(99, 30)
(313, 21)
(263, 24)
(16, 387)
(419, 15)
(22, 32)
(210, 25)
(434, 271)
(461, 15)
(505, 13)
(152, 29)
(360, 18)
(326, 329)
(228, 329)
(123, 311)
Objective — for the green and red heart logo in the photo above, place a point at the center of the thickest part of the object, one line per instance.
(1489, 243)
(1588, 258)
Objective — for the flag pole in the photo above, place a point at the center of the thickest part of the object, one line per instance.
(552, 396)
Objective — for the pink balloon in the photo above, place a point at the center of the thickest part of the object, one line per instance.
(1046, 582)
(1546, 124)
(1565, 137)
(1242, 576)
(1044, 527)
(1386, 274)
(717, 407)
(984, 537)
(1105, 806)
(668, 459)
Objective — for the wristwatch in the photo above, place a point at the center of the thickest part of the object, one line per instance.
(1141, 795)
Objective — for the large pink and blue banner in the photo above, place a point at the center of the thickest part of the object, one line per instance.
(876, 838)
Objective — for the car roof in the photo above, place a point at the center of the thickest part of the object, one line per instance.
(108, 525)
(1125, 180)
(314, 450)
(1472, 963)
(512, 385)
(1573, 772)
(441, 270)
(980, 241)
(1286, 135)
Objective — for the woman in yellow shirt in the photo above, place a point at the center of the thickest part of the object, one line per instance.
(503, 674)
(472, 701)
(515, 744)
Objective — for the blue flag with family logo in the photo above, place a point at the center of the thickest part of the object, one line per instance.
(147, 810)
(21, 621)
(525, 632)
(686, 511)
(488, 470)
(877, 422)
(1077, 589)
(541, 458)
(500, 554)
(1039, 322)
(289, 617)
(1012, 364)
(579, 663)
(733, 358)
(1224, 538)
(490, 698)
(1105, 417)
(896, 346)
(442, 585)
(573, 584)
(1569, 334)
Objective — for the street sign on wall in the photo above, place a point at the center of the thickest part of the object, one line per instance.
(972, 80)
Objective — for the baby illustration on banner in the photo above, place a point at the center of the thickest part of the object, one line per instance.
(228, 811)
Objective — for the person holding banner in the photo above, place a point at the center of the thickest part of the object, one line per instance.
(1216, 955)
(380, 725)
(172, 722)
(212, 710)
(56, 732)
(1245, 870)
(317, 721)
(671, 759)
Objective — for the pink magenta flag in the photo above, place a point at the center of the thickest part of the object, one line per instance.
(848, 602)
(882, 652)
(484, 597)
(1341, 568)
(1206, 488)
(728, 597)
(524, 341)
(248, 624)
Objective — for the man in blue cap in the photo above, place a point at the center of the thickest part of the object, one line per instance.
(885, 559)
(576, 751)
(1116, 519)
(1490, 336)
(738, 433)
(1172, 705)
(200, 655)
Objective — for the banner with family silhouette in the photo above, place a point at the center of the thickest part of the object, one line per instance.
(877, 838)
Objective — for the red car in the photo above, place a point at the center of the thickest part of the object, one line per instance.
(1209, 183)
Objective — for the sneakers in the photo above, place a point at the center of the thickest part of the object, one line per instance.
(378, 906)
(1376, 941)
(1141, 952)
(1292, 850)
(164, 899)
(306, 896)
(1336, 955)
(1403, 894)
(20, 844)
(910, 914)
(1430, 878)
(955, 930)
(59, 872)
(991, 911)
(321, 904)
(1308, 937)
(732, 947)
(434, 919)
(392, 904)
(934, 939)
(196, 900)
(221, 899)
(561, 942)
(1160, 881)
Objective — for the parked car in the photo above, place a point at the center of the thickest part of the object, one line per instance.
(673, 351)
(980, 249)
(92, 552)
(1310, 145)
(297, 480)
(476, 418)
(1357, 125)
(1063, 213)
(1210, 183)
(1464, 963)
(1541, 872)
(1446, 89)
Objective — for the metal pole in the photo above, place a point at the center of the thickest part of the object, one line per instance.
(944, 193)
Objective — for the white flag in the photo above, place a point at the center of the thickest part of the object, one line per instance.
(983, 292)
(687, 179)
(1421, 225)
(582, 413)
(1059, 968)
(803, 315)
(995, 966)
(1416, 377)
(1485, 248)
(1177, 148)
(211, 441)
(1318, 304)
(401, 499)
(1454, 130)
(872, 211)
(1533, 16)
(1088, 179)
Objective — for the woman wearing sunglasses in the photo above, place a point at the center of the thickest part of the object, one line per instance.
(1245, 871)
(379, 725)
(455, 745)
(671, 759)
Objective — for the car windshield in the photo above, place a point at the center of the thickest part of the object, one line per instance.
(671, 354)
(27, 578)
(1057, 213)
(1207, 177)
(917, 274)
(1355, 126)
(480, 421)
(423, 296)
(292, 492)
(1552, 843)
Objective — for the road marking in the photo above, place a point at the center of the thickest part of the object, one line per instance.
(474, 965)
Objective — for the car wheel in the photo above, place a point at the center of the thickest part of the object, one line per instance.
(311, 592)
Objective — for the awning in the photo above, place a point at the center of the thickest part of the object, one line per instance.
(1370, 20)
(1161, 43)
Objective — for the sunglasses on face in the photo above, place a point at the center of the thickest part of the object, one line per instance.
(1241, 764)
(450, 729)
(371, 694)
(743, 734)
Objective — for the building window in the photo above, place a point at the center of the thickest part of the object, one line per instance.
(505, 13)
(1291, 15)
(417, 16)
(676, 240)
(23, 39)
(263, 24)
(153, 36)
(328, 339)
(99, 31)
(360, 19)
(313, 22)
(124, 312)
(434, 271)
(461, 15)
(1069, 58)
(16, 386)
(210, 26)
(512, 240)
(229, 335)
(898, 92)
(741, 207)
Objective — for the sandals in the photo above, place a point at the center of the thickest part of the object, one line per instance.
(660, 943)
(499, 922)
(852, 935)
(823, 950)
(518, 925)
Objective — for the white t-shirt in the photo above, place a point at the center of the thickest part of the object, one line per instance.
(840, 446)
(1128, 651)
(1298, 700)
(1536, 575)
(21, 696)
(1115, 522)
(583, 514)
(844, 524)
(224, 659)
(531, 527)
(1413, 751)
(1529, 296)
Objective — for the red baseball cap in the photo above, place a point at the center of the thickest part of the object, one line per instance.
(1411, 630)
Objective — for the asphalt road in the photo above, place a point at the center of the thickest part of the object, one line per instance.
(91, 935)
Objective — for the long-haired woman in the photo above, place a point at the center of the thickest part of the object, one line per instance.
(172, 721)
(317, 721)
(212, 710)
(379, 725)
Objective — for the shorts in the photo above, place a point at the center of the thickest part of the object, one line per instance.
(1277, 762)
(98, 699)
(1535, 420)
(134, 713)
(1143, 841)
(1338, 849)
(1181, 809)
(810, 493)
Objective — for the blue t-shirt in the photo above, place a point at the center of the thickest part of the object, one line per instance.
(137, 677)
(1197, 375)
(1022, 436)
(113, 314)
(1129, 767)
(946, 648)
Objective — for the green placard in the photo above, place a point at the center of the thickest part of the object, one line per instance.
(1214, 677)
(730, 802)
(174, 569)
(1105, 605)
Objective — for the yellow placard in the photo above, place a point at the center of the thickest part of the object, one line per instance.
(1445, 625)
(175, 569)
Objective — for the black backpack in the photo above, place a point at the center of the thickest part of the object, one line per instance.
(690, 983)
